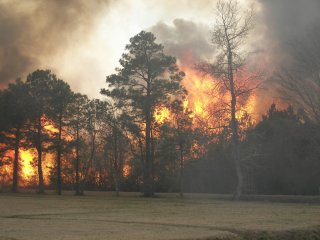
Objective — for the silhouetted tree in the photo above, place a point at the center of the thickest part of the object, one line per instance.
(77, 124)
(147, 77)
(93, 114)
(15, 113)
(182, 126)
(229, 34)
(60, 99)
(288, 159)
(116, 143)
(39, 85)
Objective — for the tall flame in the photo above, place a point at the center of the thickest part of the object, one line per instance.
(27, 168)
(205, 101)
(198, 92)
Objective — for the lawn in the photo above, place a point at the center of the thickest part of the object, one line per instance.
(104, 216)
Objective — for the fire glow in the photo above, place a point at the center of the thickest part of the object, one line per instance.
(202, 95)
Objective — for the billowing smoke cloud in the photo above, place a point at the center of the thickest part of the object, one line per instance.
(284, 22)
(33, 32)
(281, 24)
(186, 40)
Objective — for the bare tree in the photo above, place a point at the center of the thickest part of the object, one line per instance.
(229, 35)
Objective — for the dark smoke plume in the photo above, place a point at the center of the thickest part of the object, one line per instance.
(284, 22)
(32, 32)
(281, 25)
(186, 40)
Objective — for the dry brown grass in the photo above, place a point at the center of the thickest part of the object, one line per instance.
(104, 216)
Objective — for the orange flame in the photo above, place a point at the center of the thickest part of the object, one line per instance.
(27, 168)
(198, 93)
(162, 114)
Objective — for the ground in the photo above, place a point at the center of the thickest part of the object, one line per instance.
(130, 216)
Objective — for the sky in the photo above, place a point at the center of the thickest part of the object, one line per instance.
(81, 41)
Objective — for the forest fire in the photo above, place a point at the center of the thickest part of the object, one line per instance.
(203, 95)
(199, 92)
(27, 169)
(203, 98)
(161, 114)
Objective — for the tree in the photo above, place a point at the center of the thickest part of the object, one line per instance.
(146, 78)
(60, 99)
(288, 159)
(15, 108)
(182, 124)
(39, 85)
(93, 117)
(229, 34)
(116, 142)
(77, 123)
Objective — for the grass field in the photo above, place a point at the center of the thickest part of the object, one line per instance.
(104, 216)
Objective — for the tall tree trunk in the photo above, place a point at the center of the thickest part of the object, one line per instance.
(147, 171)
(234, 128)
(115, 159)
(16, 161)
(39, 151)
(152, 161)
(143, 165)
(89, 163)
(78, 192)
(147, 180)
(181, 169)
(59, 182)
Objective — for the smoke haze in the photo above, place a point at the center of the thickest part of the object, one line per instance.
(186, 40)
(35, 33)
(82, 40)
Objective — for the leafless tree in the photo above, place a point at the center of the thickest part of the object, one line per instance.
(229, 36)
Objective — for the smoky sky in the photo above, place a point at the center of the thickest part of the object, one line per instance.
(279, 24)
(284, 22)
(42, 33)
(33, 32)
(186, 40)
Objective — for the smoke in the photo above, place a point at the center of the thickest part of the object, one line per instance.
(33, 33)
(281, 24)
(284, 22)
(186, 40)
(62, 35)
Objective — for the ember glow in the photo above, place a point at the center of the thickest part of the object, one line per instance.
(27, 165)
(161, 114)
(28, 161)
(204, 100)
(204, 97)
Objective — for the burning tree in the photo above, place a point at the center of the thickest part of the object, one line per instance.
(15, 110)
(229, 34)
(39, 85)
(147, 78)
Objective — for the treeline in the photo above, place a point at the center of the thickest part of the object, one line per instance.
(124, 143)
(142, 136)
(96, 144)
(279, 155)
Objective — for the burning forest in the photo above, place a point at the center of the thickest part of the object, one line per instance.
(188, 108)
